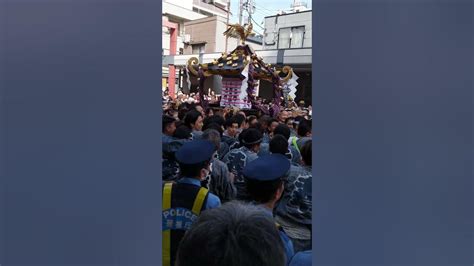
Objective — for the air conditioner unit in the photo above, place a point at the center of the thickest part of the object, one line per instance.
(186, 38)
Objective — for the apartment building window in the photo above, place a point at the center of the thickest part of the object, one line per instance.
(291, 37)
(198, 48)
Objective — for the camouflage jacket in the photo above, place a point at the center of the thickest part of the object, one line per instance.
(295, 202)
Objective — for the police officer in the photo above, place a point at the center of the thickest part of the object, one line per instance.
(185, 199)
(237, 159)
(265, 184)
(169, 146)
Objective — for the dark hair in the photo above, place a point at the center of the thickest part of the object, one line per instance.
(191, 117)
(208, 110)
(213, 136)
(235, 234)
(306, 152)
(289, 119)
(299, 118)
(304, 127)
(282, 129)
(279, 144)
(257, 126)
(167, 120)
(229, 114)
(215, 119)
(182, 113)
(231, 120)
(251, 118)
(262, 191)
(240, 119)
(214, 126)
(192, 170)
(250, 135)
(182, 132)
(265, 120)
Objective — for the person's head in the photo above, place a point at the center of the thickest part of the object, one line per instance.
(272, 125)
(265, 121)
(169, 125)
(235, 234)
(240, 120)
(251, 138)
(304, 128)
(209, 112)
(282, 129)
(251, 120)
(213, 136)
(182, 112)
(200, 110)
(306, 152)
(194, 158)
(231, 125)
(264, 178)
(182, 132)
(257, 126)
(194, 120)
(213, 126)
(278, 144)
(301, 103)
(290, 122)
(219, 112)
(282, 116)
(215, 119)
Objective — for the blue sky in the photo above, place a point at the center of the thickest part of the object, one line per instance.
(263, 8)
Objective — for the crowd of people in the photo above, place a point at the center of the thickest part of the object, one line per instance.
(237, 185)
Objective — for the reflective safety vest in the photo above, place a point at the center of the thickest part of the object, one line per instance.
(293, 142)
(182, 204)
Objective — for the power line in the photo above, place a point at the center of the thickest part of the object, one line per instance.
(262, 13)
(268, 10)
(257, 23)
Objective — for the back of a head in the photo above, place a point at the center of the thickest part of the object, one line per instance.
(251, 119)
(214, 126)
(240, 119)
(191, 117)
(216, 119)
(234, 234)
(166, 121)
(213, 136)
(257, 126)
(283, 130)
(304, 127)
(182, 113)
(278, 144)
(250, 137)
(265, 120)
(182, 132)
(306, 152)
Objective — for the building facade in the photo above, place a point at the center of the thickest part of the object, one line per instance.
(287, 40)
(290, 34)
(174, 15)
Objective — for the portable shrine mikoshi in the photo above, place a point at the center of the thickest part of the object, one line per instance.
(240, 71)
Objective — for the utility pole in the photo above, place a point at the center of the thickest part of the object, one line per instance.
(228, 12)
(241, 4)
